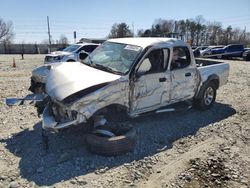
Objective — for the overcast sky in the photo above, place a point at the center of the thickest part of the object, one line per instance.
(94, 18)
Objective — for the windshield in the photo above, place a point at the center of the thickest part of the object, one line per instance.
(71, 48)
(114, 57)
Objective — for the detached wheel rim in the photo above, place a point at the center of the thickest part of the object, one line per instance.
(209, 96)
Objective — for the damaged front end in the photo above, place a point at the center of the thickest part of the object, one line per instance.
(29, 98)
(38, 79)
(76, 92)
(56, 116)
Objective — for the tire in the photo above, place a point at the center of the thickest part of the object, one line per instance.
(247, 58)
(112, 146)
(206, 98)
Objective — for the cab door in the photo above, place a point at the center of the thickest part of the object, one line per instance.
(184, 77)
(151, 84)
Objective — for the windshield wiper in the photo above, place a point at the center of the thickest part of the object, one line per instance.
(99, 66)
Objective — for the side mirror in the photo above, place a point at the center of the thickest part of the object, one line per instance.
(144, 67)
(83, 55)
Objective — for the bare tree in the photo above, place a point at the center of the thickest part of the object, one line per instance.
(63, 40)
(6, 31)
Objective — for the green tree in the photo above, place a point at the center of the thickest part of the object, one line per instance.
(120, 30)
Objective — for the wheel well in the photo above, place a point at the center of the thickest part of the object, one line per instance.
(113, 110)
(212, 79)
(71, 60)
(215, 82)
(113, 107)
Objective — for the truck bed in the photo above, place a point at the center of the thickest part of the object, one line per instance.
(210, 67)
(200, 62)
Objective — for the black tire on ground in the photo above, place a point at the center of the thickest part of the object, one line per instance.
(111, 146)
(207, 97)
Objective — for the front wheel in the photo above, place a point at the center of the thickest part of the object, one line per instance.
(207, 97)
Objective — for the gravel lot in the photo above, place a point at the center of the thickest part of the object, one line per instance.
(184, 149)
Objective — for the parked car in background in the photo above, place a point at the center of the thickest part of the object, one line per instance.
(197, 50)
(246, 55)
(229, 51)
(207, 51)
(246, 49)
(70, 53)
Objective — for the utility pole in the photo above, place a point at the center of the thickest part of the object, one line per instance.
(133, 29)
(49, 34)
(75, 36)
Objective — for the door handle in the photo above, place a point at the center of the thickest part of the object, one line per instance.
(162, 79)
(188, 74)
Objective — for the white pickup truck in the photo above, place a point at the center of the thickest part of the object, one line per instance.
(70, 54)
(132, 74)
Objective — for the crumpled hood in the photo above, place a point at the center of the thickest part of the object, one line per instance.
(69, 78)
(40, 73)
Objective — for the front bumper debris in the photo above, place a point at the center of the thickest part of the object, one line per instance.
(20, 101)
(49, 122)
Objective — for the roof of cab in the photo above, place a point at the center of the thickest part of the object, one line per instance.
(148, 41)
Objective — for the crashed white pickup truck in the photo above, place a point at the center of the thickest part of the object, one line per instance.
(137, 75)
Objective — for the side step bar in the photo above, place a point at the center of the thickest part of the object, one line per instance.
(181, 106)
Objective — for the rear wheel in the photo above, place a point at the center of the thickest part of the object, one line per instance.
(207, 97)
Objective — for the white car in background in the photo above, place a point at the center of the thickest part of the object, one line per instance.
(70, 53)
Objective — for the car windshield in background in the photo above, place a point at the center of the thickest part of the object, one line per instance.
(71, 48)
(114, 57)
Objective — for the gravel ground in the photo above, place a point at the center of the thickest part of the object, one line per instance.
(184, 149)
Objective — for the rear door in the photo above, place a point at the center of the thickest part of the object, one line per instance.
(184, 76)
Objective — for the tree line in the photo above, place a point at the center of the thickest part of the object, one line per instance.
(196, 31)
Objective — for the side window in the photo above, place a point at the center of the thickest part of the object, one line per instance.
(88, 48)
(231, 48)
(180, 58)
(154, 61)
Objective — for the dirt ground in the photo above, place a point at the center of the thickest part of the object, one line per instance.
(181, 149)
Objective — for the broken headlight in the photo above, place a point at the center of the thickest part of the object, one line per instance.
(61, 114)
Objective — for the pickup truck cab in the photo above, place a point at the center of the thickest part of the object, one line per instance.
(70, 53)
(137, 75)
